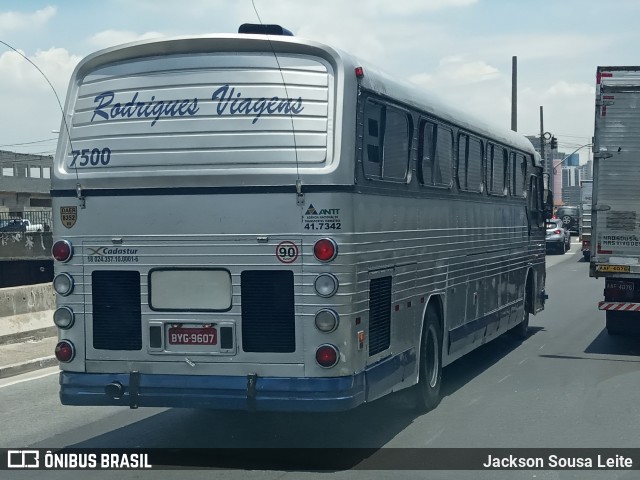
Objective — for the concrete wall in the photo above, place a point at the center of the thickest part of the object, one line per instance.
(27, 299)
(26, 312)
(25, 246)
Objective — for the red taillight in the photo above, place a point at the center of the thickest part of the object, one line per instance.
(327, 356)
(65, 351)
(359, 72)
(586, 243)
(557, 232)
(62, 251)
(325, 250)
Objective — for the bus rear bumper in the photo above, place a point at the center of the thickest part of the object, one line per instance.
(216, 392)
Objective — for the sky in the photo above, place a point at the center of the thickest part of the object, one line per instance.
(460, 50)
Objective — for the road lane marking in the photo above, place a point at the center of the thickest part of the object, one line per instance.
(49, 371)
(500, 381)
(434, 437)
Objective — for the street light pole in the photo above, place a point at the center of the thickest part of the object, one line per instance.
(567, 156)
(542, 153)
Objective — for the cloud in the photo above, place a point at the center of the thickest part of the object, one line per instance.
(31, 108)
(564, 89)
(11, 21)
(411, 7)
(17, 74)
(537, 46)
(456, 71)
(109, 38)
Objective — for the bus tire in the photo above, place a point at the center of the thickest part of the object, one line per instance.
(521, 330)
(427, 392)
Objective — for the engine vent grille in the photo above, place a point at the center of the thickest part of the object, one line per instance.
(117, 321)
(379, 315)
(268, 311)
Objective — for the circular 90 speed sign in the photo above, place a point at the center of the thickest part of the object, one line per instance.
(287, 252)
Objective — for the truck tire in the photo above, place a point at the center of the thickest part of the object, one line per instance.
(586, 256)
(619, 323)
(613, 323)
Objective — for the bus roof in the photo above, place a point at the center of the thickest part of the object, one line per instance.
(374, 78)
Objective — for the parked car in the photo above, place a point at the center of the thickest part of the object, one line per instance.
(570, 217)
(558, 238)
(20, 225)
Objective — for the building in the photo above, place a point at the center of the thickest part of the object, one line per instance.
(571, 185)
(572, 160)
(25, 181)
(25, 184)
(586, 171)
(551, 161)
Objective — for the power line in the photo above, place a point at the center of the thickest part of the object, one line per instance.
(573, 136)
(29, 143)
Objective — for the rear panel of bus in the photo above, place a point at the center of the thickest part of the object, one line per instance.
(192, 251)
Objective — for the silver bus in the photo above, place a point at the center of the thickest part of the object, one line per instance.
(261, 222)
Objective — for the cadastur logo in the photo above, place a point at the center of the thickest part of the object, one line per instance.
(112, 255)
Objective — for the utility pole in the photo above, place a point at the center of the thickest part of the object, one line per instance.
(542, 152)
(514, 93)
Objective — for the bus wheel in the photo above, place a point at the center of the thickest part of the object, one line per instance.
(427, 391)
(521, 330)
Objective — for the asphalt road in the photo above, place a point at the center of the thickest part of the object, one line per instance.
(568, 385)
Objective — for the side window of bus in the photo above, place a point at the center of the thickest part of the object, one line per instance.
(469, 163)
(536, 217)
(522, 161)
(427, 156)
(461, 161)
(435, 154)
(373, 116)
(496, 169)
(444, 157)
(386, 142)
(517, 174)
(395, 156)
(474, 165)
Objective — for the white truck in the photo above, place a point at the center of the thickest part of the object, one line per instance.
(586, 200)
(616, 201)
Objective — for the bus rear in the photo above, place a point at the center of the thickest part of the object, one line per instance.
(201, 194)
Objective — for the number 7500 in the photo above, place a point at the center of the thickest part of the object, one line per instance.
(91, 157)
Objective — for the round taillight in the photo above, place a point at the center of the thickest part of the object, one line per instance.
(62, 251)
(325, 249)
(327, 356)
(326, 320)
(557, 232)
(65, 351)
(326, 285)
(63, 284)
(63, 317)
